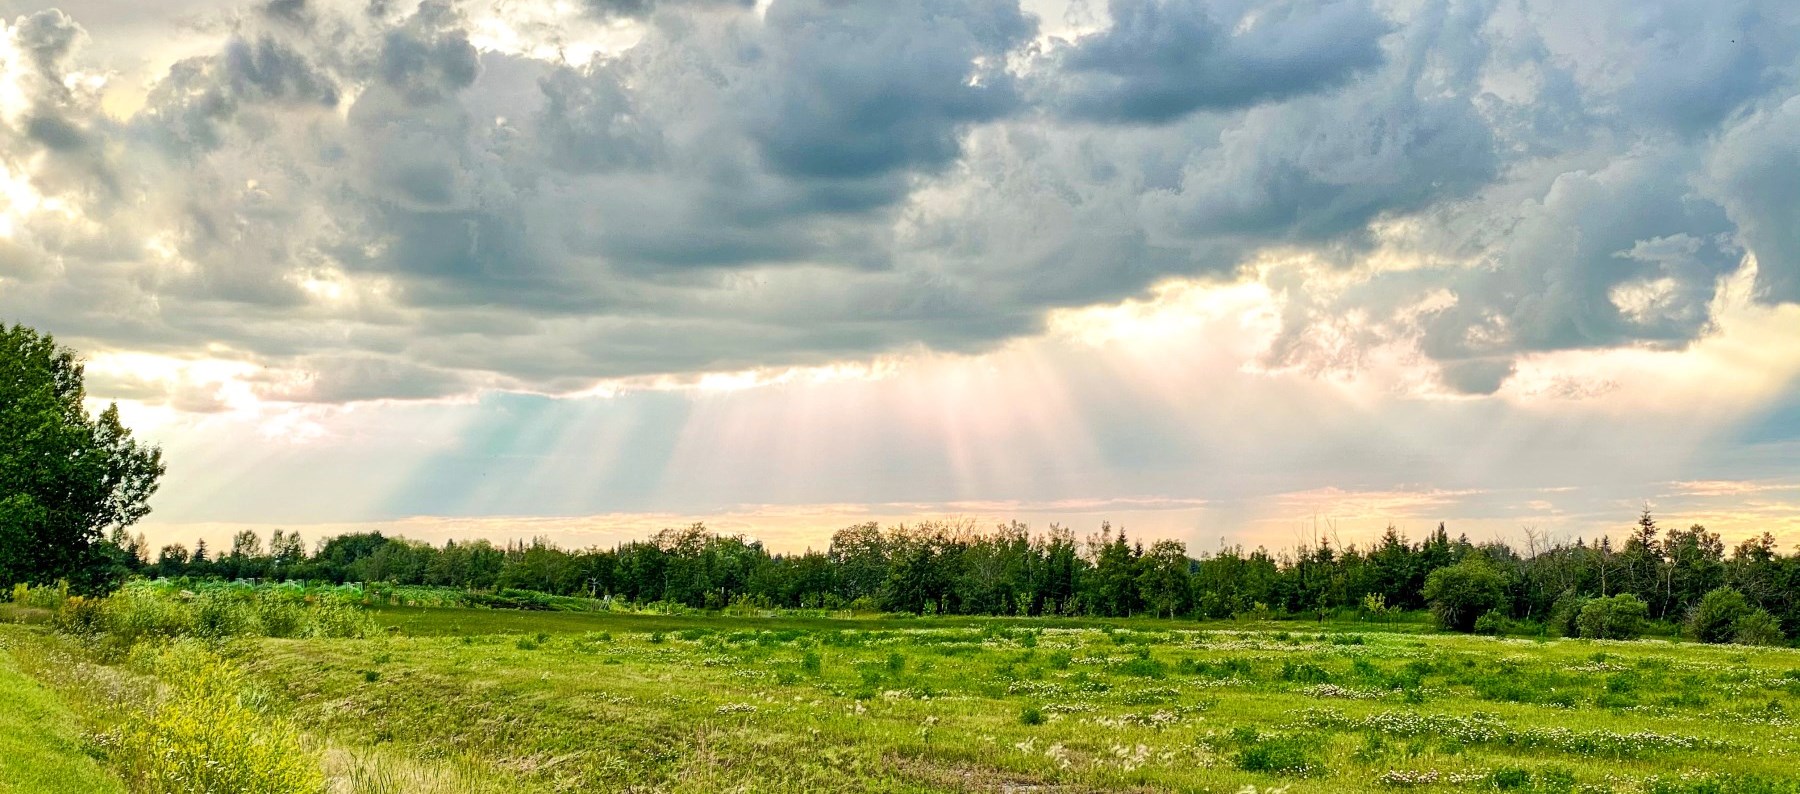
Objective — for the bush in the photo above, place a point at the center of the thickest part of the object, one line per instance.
(1758, 627)
(1715, 618)
(158, 610)
(200, 737)
(41, 597)
(1031, 715)
(1565, 614)
(1492, 622)
(1620, 617)
(1460, 594)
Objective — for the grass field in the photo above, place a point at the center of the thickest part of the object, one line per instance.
(489, 700)
(40, 741)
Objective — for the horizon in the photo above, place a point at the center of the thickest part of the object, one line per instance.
(1216, 272)
(545, 530)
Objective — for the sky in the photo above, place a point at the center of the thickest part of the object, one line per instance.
(1255, 272)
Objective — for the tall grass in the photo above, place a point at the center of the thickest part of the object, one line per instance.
(203, 734)
(42, 596)
(153, 610)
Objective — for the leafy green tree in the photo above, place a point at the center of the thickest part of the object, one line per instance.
(1163, 580)
(861, 556)
(1715, 618)
(1620, 617)
(1112, 590)
(66, 476)
(1461, 593)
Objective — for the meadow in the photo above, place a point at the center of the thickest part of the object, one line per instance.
(457, 699)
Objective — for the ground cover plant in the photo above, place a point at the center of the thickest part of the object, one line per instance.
(472, 699)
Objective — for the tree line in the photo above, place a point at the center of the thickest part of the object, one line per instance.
(957, 568)
(67, 476)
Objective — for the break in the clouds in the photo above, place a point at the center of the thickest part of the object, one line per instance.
(394, 200)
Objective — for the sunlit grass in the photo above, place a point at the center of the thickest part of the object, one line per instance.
(473, 700)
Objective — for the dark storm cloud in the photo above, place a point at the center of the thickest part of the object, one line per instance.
(865, 89)
(1163, 59)
(340, 192)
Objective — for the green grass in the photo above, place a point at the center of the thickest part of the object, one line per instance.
(632, 702)
(40, 744)
(426, 621)
(477, 700)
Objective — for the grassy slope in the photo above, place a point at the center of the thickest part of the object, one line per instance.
(40, 749)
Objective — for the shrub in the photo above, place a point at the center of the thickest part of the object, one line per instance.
(1031, 715)
(200, 737)
(81, 616)
(1565, 614)
(1461, 593)
(41, 597)
(1758, 627)
(156, 610)
(1492, 622)
(1715, 618)
(1620, 617)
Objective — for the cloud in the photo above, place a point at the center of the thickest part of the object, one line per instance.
(723, 189)
(1163, 59)
(1321, 171)
(1747, 174)
(643, 8)
(351, 379)
(48, 38)
(863, 90)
